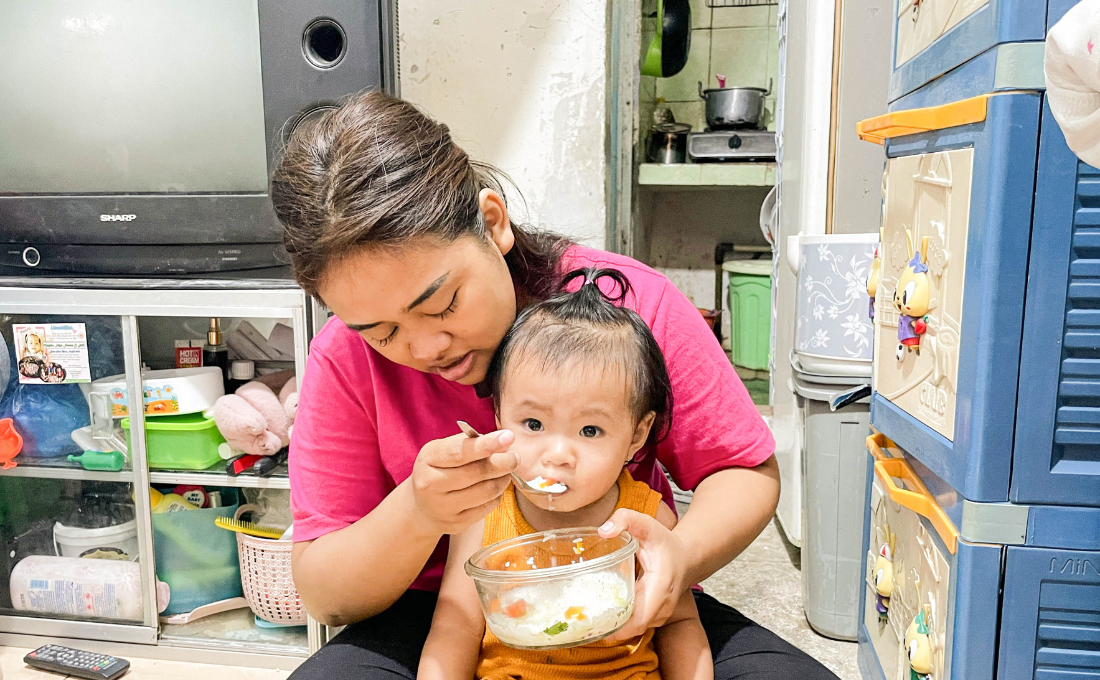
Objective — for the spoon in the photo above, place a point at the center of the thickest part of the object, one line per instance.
(474, 434)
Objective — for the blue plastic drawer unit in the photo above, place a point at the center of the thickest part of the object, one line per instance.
(1056, 457)
(957, 205)
(935, 37)
(1051, 612)
(955, 589)
(1000, 396)
(925, 587)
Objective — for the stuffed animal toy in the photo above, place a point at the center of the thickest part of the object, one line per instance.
(257, 419)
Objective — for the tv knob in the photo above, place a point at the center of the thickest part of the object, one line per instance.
(31, 256)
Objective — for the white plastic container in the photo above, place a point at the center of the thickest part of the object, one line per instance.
(174, 391)
(79, 542)
(834, 334)
(106, 589)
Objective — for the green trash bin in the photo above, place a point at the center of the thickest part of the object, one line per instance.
(750, 305)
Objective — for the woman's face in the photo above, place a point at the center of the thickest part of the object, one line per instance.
(437, 307)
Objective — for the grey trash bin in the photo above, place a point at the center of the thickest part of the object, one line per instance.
(834, 480)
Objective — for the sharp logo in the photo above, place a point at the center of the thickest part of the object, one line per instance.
(117, 218)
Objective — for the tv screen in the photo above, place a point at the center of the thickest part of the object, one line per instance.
(109, 100)
(137, 136)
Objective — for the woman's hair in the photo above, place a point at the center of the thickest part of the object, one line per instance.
(378, 173)
(591, 326)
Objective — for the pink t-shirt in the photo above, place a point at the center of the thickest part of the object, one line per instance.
(362, 419)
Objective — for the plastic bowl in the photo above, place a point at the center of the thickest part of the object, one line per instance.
(555, 589)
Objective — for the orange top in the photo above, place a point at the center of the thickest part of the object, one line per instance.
(634, 659)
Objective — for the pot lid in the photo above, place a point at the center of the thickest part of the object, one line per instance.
(731, 89)
(754, 267)
(672, 128)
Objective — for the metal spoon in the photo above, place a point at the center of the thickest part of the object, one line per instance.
(474, 434)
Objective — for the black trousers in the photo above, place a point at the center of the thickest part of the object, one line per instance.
(388, 646)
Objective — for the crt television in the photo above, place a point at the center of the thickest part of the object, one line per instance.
(137, 137)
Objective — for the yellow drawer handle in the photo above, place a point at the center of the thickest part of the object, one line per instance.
(876, 442)
(913, 121)
(916, 498)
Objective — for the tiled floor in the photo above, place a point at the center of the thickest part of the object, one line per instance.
(763, 583)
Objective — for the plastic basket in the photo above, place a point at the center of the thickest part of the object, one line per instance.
(266, 579)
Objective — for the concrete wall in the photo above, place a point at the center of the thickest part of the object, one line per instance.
(686, 223)
(522, 84)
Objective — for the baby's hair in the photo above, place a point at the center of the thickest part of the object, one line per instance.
(589, 325)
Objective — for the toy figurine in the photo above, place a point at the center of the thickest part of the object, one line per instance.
(872, 282)
(883, 578)
(918, 648)
(912, 297)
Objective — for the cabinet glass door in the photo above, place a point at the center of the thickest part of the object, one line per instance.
(71, 550)
(228, 591)
(74, 547)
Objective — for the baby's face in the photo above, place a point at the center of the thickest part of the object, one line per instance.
(574, 426)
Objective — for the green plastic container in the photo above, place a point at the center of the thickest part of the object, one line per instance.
(187, 442)
(750, 312)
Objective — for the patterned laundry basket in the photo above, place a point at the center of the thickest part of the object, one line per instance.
(266, 579)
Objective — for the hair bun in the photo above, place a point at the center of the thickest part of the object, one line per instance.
(592, 275)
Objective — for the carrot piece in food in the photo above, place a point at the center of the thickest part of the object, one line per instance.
(516, 609)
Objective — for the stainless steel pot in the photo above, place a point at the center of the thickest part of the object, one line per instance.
(668, 143)
(734, 107)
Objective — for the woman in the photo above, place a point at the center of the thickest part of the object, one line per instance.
(410, 244)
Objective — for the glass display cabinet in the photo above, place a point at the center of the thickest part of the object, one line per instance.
(108, 500)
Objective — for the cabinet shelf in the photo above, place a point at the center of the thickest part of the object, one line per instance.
(59, 468)
(707, 174)
(215, 477)
(236, 630)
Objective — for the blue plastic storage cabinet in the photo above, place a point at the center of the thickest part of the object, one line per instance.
(935, 37)
(1014, 323)
(983, 544)
(1002, 592)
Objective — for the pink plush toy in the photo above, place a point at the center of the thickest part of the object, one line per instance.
(255, 420)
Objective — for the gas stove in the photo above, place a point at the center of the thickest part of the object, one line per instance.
(732, 145)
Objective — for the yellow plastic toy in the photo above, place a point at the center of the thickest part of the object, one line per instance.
(883, 578)
(873, 277)
(918, 647)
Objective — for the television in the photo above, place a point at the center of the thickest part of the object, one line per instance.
(137, 137)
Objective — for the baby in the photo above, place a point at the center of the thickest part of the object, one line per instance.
(32, 347)
(583, 385)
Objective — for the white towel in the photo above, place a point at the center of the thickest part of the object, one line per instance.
(1072, 66)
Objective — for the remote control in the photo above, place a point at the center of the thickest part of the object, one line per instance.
(77, 663)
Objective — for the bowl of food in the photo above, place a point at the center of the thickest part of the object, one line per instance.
(555, 589)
